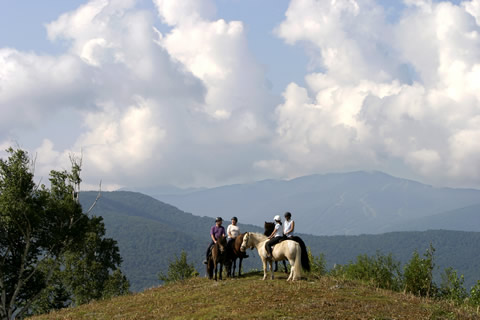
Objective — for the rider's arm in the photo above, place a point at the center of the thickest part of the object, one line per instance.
(273, 233)
(213, 238)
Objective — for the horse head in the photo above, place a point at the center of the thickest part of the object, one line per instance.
(244, 245)
(268, 228)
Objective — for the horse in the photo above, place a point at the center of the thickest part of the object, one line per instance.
(268, 227)
(218, 256)
(234, 253)
(287, 249)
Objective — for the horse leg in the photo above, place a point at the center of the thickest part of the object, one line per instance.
(240, 267)
(291, 276)
(215, 270)
(276, 266)
(264, 268)
(234, 267)
(221, 270)
(285, 266)
(271, 268)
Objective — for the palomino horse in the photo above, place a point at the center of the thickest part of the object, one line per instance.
(269, 226)
(218, 256)
(234, 253)
(287, 249)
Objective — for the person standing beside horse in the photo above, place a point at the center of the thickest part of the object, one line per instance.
(275, 237)
(215, 232)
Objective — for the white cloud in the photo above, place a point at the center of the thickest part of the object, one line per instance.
(190, 106)
(404, 91)
(187, 107)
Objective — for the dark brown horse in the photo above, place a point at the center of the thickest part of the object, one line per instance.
(234, 253)
(269, 226)
(218, 256)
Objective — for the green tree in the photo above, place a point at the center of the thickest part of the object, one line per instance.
(418, 274)
(178, 270)
(88, 272)
(40, 228)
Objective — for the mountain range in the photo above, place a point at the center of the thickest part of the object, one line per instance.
(335, 204)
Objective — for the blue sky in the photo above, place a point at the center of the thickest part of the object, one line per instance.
(204, 93)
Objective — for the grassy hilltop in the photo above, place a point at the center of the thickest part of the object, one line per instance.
(251, 298)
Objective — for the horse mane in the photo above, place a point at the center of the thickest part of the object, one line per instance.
(258, 235)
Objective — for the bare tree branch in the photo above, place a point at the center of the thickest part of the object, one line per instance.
(96, 199)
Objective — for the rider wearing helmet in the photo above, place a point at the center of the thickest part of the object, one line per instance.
(215, 232)
(233, 230)
(289, 225)
(275, 237)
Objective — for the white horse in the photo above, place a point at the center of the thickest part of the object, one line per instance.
(286, 249)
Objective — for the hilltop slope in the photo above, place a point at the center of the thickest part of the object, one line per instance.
(251, 298)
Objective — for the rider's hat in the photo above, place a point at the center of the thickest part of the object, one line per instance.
(234, 218)
(288, 214)
(277, 218)
(218, 219)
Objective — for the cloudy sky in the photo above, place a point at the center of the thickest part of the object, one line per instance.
(213, 92)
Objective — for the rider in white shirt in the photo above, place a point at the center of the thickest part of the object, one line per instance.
(233, 230)
(289, 225)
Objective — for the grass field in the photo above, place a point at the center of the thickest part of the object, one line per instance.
(251, 298)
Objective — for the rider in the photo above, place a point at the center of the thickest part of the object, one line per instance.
(289, 225)
(233, 230)
(232, 233)
(275, 237)
(215, 232)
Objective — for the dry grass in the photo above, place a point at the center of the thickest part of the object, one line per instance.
(251, 298)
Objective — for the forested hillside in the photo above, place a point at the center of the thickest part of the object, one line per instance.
(150, 233)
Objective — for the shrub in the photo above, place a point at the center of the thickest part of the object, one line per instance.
(178, 270)
(383, 271)
(317, 264)
(475, 294)
(452, 287)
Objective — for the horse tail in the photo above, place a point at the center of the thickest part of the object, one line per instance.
(297, 266)
(305, 259)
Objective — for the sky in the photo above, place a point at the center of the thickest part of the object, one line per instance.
(199, 93)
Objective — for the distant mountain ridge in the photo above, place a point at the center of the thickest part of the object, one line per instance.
(332, 204)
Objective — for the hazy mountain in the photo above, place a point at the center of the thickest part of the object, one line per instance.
(151, 233)
(330, 204)
(463, 219)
